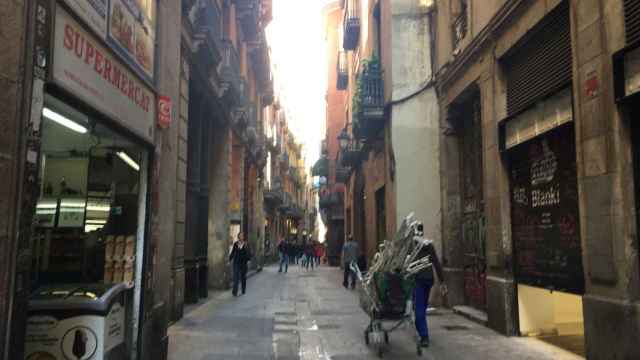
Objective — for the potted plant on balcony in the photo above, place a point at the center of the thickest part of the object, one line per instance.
(367, 104)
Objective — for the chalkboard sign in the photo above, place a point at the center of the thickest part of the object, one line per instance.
(544, 212)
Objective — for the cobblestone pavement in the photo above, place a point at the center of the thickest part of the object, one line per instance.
(307, 315)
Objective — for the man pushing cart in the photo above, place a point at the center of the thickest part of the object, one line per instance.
(397, 286)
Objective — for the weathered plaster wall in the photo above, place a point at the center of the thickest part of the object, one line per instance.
(12, 44)
(163, 218)
(218, 224)
(415, 142)
(414, 118)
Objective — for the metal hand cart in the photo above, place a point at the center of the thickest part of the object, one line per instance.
(384, 318)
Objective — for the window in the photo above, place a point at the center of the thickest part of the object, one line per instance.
(459, 23)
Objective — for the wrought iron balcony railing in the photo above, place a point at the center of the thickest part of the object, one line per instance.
(321, 167)
(248, 15)
(368, 101)
(342, 71)
(351, 25)
(242, 113)
(206, 21)
(295, 212)
(330, 199)
(459, 25)
(287, 202)
(351, 157)
(342, 174)
(274, 195)
(284, 160)
(230, 69)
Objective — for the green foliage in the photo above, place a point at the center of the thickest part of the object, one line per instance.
(356, 102)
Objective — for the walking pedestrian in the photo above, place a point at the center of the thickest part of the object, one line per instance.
(309, 253)
(291, 250)
(424, 281)
(350, 252)
(239, 257)
(299, 254)
(319, 249)
(283, 250)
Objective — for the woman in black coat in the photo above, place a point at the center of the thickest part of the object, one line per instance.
(239, 257)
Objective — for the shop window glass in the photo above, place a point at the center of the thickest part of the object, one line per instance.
(87, 214)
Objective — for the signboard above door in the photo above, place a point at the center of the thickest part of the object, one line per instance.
(88, 70)
(127, 26)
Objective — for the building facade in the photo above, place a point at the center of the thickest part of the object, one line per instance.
(539, 225)
(382, 120)
(288, 206)
(229, 86)
(134, 144)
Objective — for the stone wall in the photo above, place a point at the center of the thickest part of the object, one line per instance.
(219, 179)
(12, 42)
(604, 163)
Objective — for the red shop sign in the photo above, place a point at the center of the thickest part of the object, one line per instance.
(164, 112)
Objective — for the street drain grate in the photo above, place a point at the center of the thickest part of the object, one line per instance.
(331, 313)
(284, 313)
(455, 327)
(328, 327)
(284, 322)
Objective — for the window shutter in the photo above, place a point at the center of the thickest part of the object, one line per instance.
(540, 64)
(632, 20)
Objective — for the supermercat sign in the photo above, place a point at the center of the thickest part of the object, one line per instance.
(83, 66)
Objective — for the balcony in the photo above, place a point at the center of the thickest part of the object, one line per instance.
(342, 174)
(342, 71)
(368, 101)
(295, 212)
(330, 199)
(248, 15)
(274, 195)
(351, 25)
(252, 137)
(296, 175)
(242, 113)
(351, 156)
(205, 18)
(229, 71)
(460, 24)
(267, 90)
(284, 160)
(321, 167)
(286, 204)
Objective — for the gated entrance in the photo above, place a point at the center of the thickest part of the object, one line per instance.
(473, 221)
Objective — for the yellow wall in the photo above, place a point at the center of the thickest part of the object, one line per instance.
(544, 312)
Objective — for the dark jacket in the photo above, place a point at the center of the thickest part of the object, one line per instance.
(240, 256)
(427, 273)
(283, 248)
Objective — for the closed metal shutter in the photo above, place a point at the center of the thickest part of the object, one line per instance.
(540, 64)
(632, 20)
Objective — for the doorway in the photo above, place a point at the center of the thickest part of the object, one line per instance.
(88, 240)
(546, 238)
(472, 191)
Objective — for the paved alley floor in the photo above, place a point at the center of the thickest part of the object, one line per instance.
(308, 315)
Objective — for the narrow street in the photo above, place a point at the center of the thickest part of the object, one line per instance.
(308, 315)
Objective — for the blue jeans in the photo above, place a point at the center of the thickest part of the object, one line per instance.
(284, 260)
(421, 301)
(308, 261)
